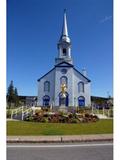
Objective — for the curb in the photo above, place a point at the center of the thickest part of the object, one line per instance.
(58, 139)
(70, 141)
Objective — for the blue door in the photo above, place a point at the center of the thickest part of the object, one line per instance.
(46, 100)
(81, 101)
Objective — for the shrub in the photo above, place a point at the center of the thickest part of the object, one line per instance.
(8, 113)
(45, 115)
(54, 119)
(70, 115)
(29, 118)
(44, 119)
(111, 113)
(74, 120)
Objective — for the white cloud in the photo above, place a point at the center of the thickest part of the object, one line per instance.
(106, 18)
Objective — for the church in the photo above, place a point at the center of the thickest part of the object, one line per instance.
(78, 86)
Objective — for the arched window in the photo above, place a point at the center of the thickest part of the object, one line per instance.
(63, 80)
(47, 86)
(80, 87)
(64, 51)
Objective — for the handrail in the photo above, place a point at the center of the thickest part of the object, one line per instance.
(23, 110)
(16, 110)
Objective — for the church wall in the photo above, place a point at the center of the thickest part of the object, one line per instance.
(77, 78)
(55, 88)
(69, 76)
(51, 78)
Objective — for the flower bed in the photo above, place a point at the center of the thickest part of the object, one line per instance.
(60, 117)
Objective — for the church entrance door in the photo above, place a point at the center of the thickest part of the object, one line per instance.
(46, 100)
(81, 101)
(63, 101)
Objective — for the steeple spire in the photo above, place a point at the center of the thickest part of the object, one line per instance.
(64, 44)
(64, 35)
(65, 30)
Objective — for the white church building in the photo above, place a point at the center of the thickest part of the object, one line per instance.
(78, 88)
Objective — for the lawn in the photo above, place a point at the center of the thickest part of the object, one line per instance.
(36, 128)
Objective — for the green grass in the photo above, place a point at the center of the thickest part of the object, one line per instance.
(35, 128)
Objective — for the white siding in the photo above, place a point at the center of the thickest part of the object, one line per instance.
(77, 78)
(51, 78)
(69, 76)
(73, 77)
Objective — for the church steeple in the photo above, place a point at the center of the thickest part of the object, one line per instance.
(64, 35)
(64, 44)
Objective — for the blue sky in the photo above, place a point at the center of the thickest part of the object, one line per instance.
(34, 28)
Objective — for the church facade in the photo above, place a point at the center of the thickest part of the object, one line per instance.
(77, 84)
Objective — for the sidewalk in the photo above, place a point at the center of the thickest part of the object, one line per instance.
(59, 139)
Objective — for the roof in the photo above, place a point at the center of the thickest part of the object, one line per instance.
(66, 65)
(98, 97)
(46, 74)
(64, 62)
(82, 74)
(58, 65)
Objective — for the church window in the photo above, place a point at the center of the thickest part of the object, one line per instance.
(63, 71)
(64, 51)
(80, 87)
(47, 86)
(63, 80)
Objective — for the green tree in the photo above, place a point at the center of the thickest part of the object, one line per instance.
(16, 92)
(16, 97)
(12, 96)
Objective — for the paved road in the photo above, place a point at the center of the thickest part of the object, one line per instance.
(81, 151)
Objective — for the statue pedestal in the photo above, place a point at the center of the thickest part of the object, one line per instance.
(63, 109)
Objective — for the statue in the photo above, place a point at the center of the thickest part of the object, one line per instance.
(63, 107)
(63, 90)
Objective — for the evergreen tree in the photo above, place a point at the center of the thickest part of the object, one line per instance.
(12, 95)
(16, 97)
(16, 92)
